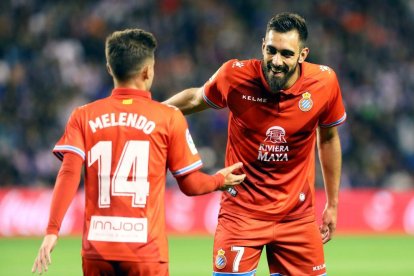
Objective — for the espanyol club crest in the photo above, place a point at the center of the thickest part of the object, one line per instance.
(306, 103)
(220, 260)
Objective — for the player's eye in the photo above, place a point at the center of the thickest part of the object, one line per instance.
(271, 50)
(287, 53)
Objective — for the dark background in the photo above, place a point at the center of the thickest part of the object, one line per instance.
(52, 59)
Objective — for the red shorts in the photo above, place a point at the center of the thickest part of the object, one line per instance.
(292, 248)
(92, 267)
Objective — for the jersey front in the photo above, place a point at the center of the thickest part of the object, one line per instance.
(127, 141)
(274, 135)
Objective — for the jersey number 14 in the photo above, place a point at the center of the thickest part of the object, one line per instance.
(130, 177)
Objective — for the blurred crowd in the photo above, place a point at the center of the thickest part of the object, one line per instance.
(52, 59)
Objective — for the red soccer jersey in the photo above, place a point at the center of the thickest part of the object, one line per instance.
(128, 141)
(274, 135)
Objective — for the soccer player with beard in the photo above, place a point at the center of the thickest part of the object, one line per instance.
(281, 108)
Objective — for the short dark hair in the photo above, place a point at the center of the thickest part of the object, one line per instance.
(127, 50)
(285, 22)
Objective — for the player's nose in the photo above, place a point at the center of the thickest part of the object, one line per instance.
(277, 60)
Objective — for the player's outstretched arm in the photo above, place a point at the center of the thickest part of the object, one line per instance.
(189, 100)
(198, 183)
(43, 258)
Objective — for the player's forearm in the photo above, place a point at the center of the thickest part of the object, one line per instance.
(188, 101)
(198, 183)
(330, 157)
(67, 183)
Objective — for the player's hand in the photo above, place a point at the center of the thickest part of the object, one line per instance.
(328, 226)
(43, 259)
(231, 179)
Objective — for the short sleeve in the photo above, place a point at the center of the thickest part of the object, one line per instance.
(72, 139)
(216, 89)
(183, 156)
(334, 113)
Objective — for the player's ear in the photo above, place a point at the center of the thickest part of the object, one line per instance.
(108, 68)
(263, 45)
(303, 54)
(147, 75)
(148, 70)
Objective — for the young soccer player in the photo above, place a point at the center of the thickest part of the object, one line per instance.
(125, 143)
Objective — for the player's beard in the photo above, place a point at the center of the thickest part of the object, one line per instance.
(277, 83)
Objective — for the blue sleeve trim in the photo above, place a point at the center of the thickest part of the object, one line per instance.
(338, 122)
(189, 168)
(59, 151)
(209, 102)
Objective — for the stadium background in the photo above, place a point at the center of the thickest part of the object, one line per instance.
(52, 59)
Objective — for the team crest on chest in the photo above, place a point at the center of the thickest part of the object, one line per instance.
(220, 260)
(306, 103)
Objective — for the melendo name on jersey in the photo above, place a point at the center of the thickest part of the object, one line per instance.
(122, 119)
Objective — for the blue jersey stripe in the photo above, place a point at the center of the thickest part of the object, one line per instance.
(59, 150)
(210, 103)
(340, 121)
(191, 167)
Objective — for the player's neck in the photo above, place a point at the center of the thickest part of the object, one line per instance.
(131, 84)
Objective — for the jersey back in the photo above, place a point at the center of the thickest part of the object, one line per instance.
(128, 142)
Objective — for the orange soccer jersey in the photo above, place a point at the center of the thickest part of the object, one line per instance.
(127, 142)
(274, 136)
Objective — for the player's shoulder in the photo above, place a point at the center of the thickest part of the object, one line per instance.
(167, 115)
(166, 108)
(320, 71)
(165, 112)
(237, 64)
(240, 68)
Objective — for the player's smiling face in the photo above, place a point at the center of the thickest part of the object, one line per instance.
(282, 53)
